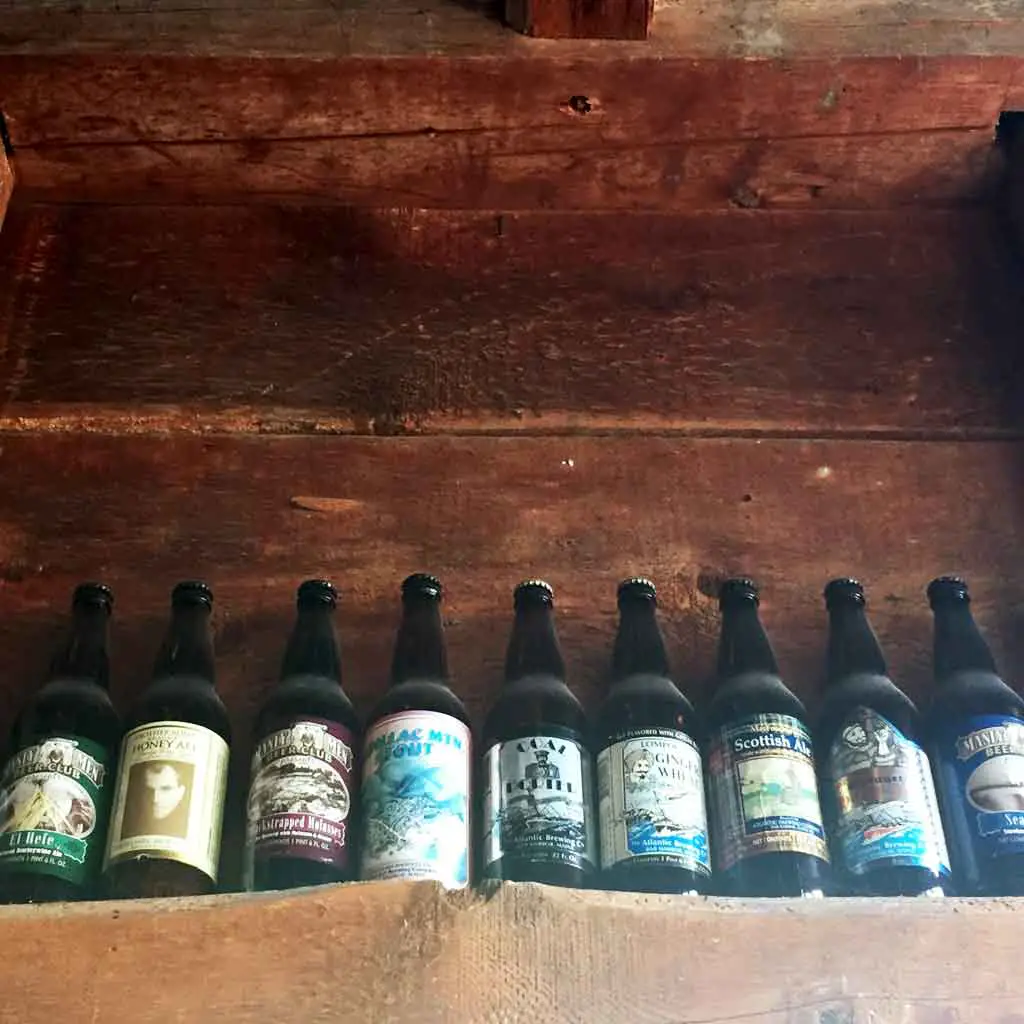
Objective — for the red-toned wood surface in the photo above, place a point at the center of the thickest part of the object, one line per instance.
(581, 19)
(529, 170)
(744, 105)
(409, 954)
(267, 319)
(255, 515)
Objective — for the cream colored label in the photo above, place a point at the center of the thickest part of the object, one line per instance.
(169, 799)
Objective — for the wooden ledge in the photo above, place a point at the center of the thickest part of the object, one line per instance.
(523, 953)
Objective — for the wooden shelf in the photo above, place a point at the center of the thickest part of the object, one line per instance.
(410, 954)
(435, 103)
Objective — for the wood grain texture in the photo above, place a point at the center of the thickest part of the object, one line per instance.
(137, 97)
(257, 515)
(6, 184)
(528, 170)
(581, 19)
(409, 954)
(319, 28)
(326, 320)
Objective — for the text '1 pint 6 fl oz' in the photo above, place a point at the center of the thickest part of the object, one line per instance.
(650, 782)
(876, 783)
(299, 810)
(976, 741)
(767, 837)
(55, 788)
(165, 826)
(417, 757)
(537, 820)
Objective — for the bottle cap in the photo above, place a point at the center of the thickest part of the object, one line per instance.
(93, 595)
(637, 588)
(738, 591)
(531, 593)
(421, 584)
(844, 590)
(191, 594)
(946, 590)
(316, 592)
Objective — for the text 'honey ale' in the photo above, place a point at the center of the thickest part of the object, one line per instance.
(876, 783)
(976, 741)
(55, 788)
(650, 781)
(767, 837)
(417, 757)
(299, 809)
(537, 820)
(168, 808)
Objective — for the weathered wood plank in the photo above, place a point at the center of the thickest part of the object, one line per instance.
(133, 97)
(256, 515)
(581, 19)
(319, 28)
(410, 954)
(331, 320)
(525, 170)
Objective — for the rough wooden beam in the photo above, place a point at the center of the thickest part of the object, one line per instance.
(886, 324)
(581, 19)
(524, 170)
(410, 954)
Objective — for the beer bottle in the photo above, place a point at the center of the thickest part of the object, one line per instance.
(975, 734)
(169, 799)
(300, 799)
(417, 757)
(767, 833)
(876, 783)
(55, 789)
(538, 818)
(653, 821)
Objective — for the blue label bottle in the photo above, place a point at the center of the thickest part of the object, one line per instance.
(976, 739)
(876, 783)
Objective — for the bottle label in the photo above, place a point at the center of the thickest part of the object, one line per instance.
(764, 792)
(169, 798)
(300, 794)
(415, 798)
(54, 798)
(985, 757)
(538, 803)
(651, 800)
(885, 798)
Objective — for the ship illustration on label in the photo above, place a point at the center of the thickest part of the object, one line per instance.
(543, 797)
(657, 806)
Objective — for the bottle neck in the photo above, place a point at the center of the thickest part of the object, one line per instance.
(959, 645)
(84, 656)
(420, 648)
(533, 648)
(313, 646)
(639, 646)
(188, 647)
(853, 647)
(744, 646)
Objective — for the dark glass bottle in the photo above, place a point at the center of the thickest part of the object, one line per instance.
(417, 757)
(538, 820)
(169, 800)
(55, 788)
(650, 783)
(876, 783)
(300, 794)
(975, 733)
(767, 832)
